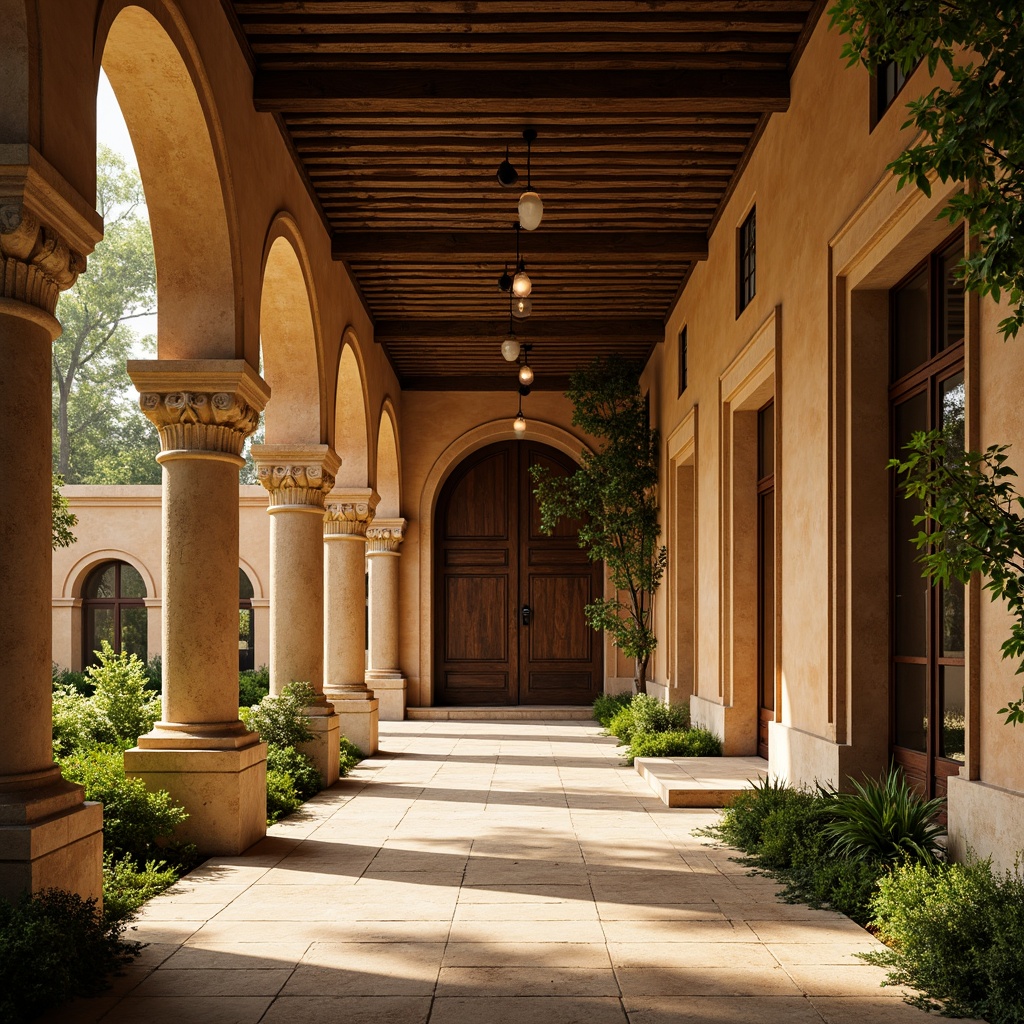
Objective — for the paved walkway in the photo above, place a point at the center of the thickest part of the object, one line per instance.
(491, 873)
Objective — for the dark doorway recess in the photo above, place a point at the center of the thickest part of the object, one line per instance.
(508, 620)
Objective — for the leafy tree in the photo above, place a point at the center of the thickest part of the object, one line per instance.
(972, 131)
(99, 434)
(64, 520)
(612, 496)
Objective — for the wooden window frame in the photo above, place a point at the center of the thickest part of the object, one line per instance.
(746, 262)
(115, 604)
(683, 362)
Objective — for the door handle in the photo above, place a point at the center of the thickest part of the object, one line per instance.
(525, 614)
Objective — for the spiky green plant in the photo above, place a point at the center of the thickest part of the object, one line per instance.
(886, 822)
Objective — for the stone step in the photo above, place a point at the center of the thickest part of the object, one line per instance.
(700, 781)
(519, 713)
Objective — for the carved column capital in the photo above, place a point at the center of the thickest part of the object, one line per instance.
(385, 536)
(200, 405)
(297, 476)
(349, 513)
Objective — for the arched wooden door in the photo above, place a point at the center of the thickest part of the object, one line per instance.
(508, 621)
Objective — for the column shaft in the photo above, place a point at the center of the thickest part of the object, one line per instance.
(383, 672)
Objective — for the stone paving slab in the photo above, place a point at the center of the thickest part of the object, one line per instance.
(508, 872)
(700, 781)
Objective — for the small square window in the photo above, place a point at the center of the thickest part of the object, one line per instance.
(886, 84)
(682, 361)
(748, 260)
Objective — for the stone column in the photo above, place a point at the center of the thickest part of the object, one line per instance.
(298, 477)
(48, 835)
(383, 674)
(348, 515)
(199, 751)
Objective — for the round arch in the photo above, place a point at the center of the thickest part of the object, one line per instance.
(77, 574)
(290, 340)
(351, 401)
(254, 578)
(389, 467)
(467, 443)
(153, 67)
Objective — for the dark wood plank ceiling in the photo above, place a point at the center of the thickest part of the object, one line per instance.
(400, 113)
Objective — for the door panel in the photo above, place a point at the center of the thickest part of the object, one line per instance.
(492, 559)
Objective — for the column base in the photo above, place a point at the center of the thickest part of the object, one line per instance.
(323, 748)
(51, 839)
(359, 712)
(389, 689)
(224, 792)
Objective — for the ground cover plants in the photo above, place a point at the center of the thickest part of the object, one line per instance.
(953, 931)
(648, 727)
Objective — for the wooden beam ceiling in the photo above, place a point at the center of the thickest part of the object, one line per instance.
(399, 113)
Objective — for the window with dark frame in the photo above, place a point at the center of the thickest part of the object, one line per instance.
(886, 84)
(748, 259)
(682, 361)
(928, 680)
(114, 609)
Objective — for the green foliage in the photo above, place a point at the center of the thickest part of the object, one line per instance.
(646, 714)
(351, 755)
(280, 720)
(100, 434)
(971, 522)
(64, 520)
(612, 499)
(75, 680)
(973, 130)
(674, 743)
(956, 932)
(76, 722)
(304, 774)
(253, 686)
(126, 707)
(886, 822)
(135, 821)
(155, 674)
(607, 705)
(126, 886)
(54, 946)
(282, 797)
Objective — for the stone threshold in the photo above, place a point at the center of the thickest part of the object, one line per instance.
(700, 781)
(518, 713)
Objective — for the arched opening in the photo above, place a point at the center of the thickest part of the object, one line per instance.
(246, 624)
(351, 440)
(509, 622)
(185, 191)
(114, 610)
(389, 485)
(289, 345)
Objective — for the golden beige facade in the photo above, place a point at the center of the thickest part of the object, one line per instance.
(353, 466)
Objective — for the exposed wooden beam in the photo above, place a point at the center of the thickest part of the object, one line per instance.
(411, 246)
(435, 329)
(451, 91)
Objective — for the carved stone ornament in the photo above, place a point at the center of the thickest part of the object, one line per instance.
(295, 483)
(384, 539)
(36, 264)
(200, 421)
(347, 518)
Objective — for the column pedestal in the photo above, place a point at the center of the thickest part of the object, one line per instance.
(298, 477)
(347, 515)
(49, 837)
(383, 674)
(199, 751)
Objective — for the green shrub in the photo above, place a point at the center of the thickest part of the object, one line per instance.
(304, 774)
(126, 886)
(621, 724)
(885, 821)
(351, 755)
(281, 721)
(253, 686)
(680, 743)
(743, 821)
(653, 715)
(64, 677)
(54, 946)
(76, 721)
(136, 823)
(126, 708)
(281, 796)
(608, 704)
(155, 674)
(956, 932)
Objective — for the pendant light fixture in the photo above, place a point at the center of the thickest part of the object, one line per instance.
(522, 308)
(505, 281)
(531, 208)
(510, 346)
(521, 283)
(507, 174)
(526, 371)
(519, 423)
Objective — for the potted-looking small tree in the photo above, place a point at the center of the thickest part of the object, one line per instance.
(613, 496)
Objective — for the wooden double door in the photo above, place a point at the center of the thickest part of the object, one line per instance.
(509, 626)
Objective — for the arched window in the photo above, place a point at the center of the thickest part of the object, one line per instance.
(246, 624)
(114, 610)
